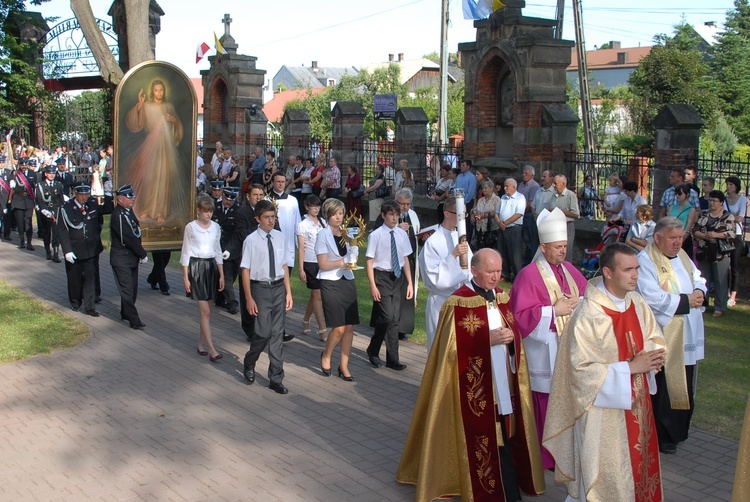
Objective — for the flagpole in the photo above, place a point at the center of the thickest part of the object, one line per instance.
(443, 106)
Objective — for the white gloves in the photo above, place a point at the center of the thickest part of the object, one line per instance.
(47, 213)
(13, 183)
(143, 260)
(71, 257)
(225, 255)
(5, 210)
(66, 198)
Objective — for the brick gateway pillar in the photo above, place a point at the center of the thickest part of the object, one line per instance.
(515, 102)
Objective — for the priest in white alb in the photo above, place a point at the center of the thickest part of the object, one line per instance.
(439, 266)
(600, 427)
(543, 296)
(287, 209)
(674, 288)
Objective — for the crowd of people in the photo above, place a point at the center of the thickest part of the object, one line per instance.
(593, 379)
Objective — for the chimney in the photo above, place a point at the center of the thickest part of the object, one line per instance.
(614, 44)
(390, 58)
(314, 66)
(400, 56)
(622, 57)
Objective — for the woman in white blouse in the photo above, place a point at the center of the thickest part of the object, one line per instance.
(337, 288)
(202, 266)
(307, 232)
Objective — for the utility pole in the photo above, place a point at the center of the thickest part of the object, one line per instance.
(443, 107)
(559, 18)
(583, 80)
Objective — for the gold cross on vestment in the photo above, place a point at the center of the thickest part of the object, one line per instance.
(471, 323)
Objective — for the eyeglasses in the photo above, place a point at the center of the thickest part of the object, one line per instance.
(714, 200)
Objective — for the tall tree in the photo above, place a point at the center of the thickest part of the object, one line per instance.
(139, 45)
(21, 91)
(731, 69)
(674, 72)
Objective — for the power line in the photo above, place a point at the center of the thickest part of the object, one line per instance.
(342, 23)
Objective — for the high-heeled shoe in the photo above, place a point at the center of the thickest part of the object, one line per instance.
(326, 372)
(323, 334)
(306, 327)
(344, 377)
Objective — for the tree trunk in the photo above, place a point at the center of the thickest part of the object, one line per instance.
(108, 67)
(139, 35)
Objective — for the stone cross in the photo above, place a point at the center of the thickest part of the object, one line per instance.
(227, 21)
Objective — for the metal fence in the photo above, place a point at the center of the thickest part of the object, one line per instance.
(424, 157)
(589, 176)
(720, 168)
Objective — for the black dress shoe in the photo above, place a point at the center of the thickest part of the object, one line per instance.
(375, 361)
(395, 366)
(98, 299)
(49, 255)
(668, 448)
(249, 374)
(234, 310)
(56, 258)
(166, 292)
(278, 388)
(75, 306)
(29, 247)
(92, 313)
(140, 325)
(7, 239)
(22, 245)
(403, 336)
(153, 285)
(287, 338)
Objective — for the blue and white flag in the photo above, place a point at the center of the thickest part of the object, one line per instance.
(480, 9)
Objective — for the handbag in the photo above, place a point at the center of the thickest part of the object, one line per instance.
(383, 191)
(725, 246)
(358, 192)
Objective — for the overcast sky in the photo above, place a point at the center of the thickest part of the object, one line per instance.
(357, 33)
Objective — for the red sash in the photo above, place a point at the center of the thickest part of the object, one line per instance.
(26, 184)
(5, 185)
(642, 439)
(478, 410)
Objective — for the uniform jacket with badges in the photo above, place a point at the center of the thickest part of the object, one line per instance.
(79, 229)
(50, 197)
(230, 222)
(5, 194)
(22, 199)
(125, 230)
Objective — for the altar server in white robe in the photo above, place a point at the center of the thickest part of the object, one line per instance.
(288, 214)
(440, 267)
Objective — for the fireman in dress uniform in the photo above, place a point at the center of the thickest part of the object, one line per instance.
(49, 200)
(22, 203)
(126, 253)
(79, 233)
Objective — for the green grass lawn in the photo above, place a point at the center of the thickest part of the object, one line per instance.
(29, 327)
(724, 375)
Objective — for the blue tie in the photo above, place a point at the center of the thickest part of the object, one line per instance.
(394, 257)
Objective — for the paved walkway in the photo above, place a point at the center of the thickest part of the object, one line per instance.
(131, 415)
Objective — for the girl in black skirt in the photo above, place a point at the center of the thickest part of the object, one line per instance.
(202, 264)
(337, 289)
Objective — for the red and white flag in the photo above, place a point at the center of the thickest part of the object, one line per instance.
(201, 51)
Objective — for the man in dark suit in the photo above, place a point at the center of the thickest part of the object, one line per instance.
(64, 177)
(79, 232)
(6, 215)
(226, 216)
(49, 199)
(126, 253)
(246, 223)
(22, 203)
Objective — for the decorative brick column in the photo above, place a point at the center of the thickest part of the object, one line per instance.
(296, 127)
(515, 81)
(232, 102)
(411, 141)
(348, 119)
(678, 130)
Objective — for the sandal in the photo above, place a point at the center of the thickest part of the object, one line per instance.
(323, 334)
(306, 327)
(731, 302)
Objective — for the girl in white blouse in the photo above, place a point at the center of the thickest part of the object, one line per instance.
(337, 288)
(307, 232)
(202, 266)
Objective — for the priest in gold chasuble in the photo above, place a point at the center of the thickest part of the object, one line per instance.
(473, 431)
(600, 427)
